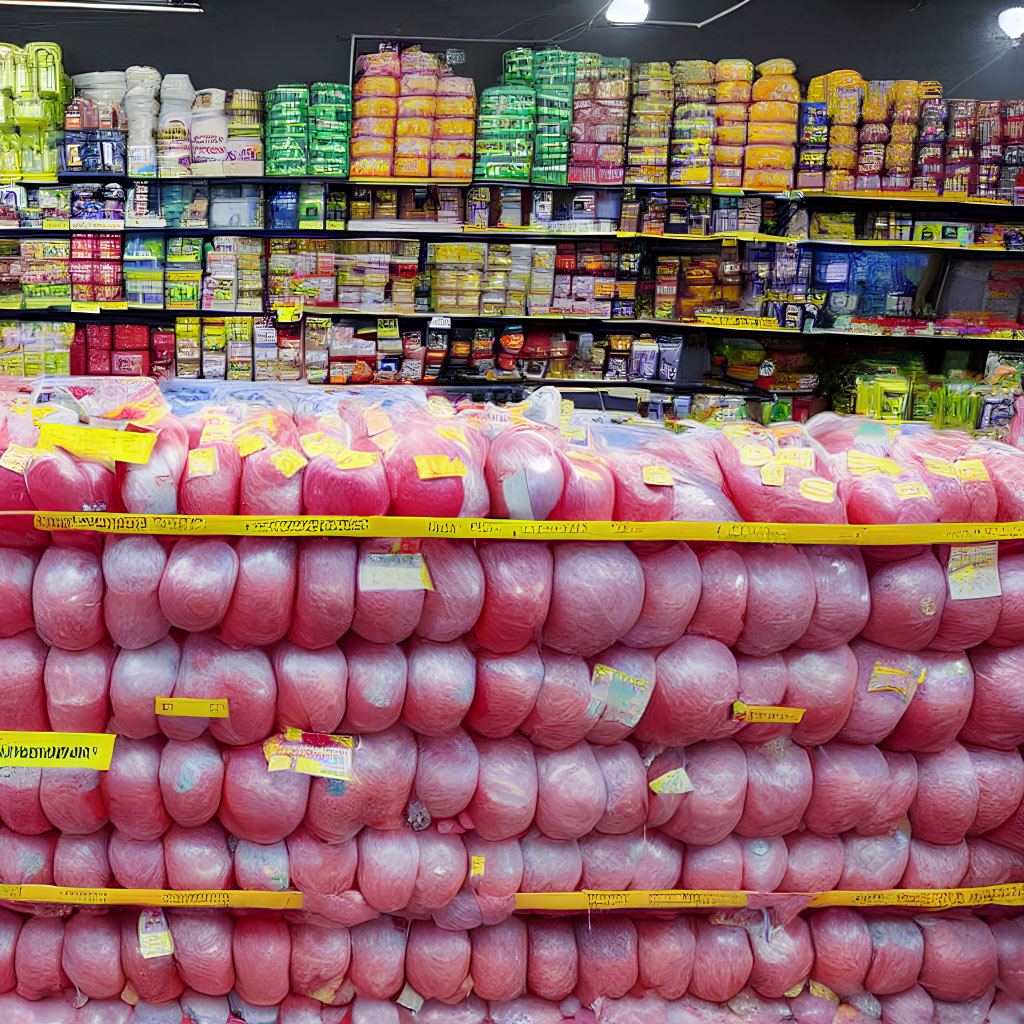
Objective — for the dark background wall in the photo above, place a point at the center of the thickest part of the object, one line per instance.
(258, 43)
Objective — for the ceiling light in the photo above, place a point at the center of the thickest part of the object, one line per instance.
(1011, 21)
(151, 6)
(631, 12)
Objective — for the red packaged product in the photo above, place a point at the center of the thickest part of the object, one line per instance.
(98, 361)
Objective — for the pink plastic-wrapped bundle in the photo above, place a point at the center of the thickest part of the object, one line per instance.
(37, 958)
(384, 614)
(965, 622)
(198, 581)
(376, 685)
(344, 481)
(437, 962)
(387, 865)
(72, 799)
(886, 682)
(16, 571)
(155, 980)
(22, 699)
(518, 581)
(636, 500)
(325, 591)
(946, 802)
(897, 950)
(152, 486)
(596, 598)
(842, 599)
(131, 789)
(261, 949)
(202, 950)
(848, 782)
(783, 957)
(57, 482)
(27, 860)
(563, 713)
(20, 809)
(91, 955)
(960, 958)
(14, 497)
(1005, 468)
(608, 958)
(198, 858)
(67, 598)
(81, 861)
(706, 815)
(1009, 936)
(571, 792)
(882, 491)
(260, 805)
(764, 864)
(524, 473)
(813, 864)
(997, 710)
(842, 950)
(132, 569)
(210, 483)
(506, 794)
(316, 866)
(320, 960)
(499, 960)
(552, 970)
(383, 766)
(451, 609)
(416, 489)
(260, 611)
(780, 598)
(697, 685)
(990, 863)
(440, 871)
(779, 786)
(1009, 629)
(272, 473)
(660, 864)
(137, 678)
(310, 687)
(77, 684)
(624, 700)
(940, 706)
(261, 868)
(10, 926)
(498, 877)
(907, 600)
(210, 669)
(447, 773)
(671, 589)
(763, 681)
(136, 865)
(550, 866)
(723, 595)
(665, 951)
(625, 782)
(610, 862)
(895, 799)
(824, 684)
(440, 685)
(934, 866)
(1000, 775)
(722, 960)
(191, 777)
(588, 488)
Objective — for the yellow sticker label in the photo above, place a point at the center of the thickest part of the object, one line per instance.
(802, 457)
(16, 458)
(657, 476)
(154, 934)
(434, 467)
(859, 462)
(910, 489)
(248, 444)
(816, 488)
(940, 467)
(476, 866)
(192, 707)
(99, 442)
(973, 571)
(971, 469)
(452, 433)
(394, 571)
(287, 462)
(310, 753)
(794, 991)
(56, 749)
(755, 454)
(152, 897)
(886, 679)
(201, 462)
(675, 781)
(289, 314)
(216, 428)
(773, 474)
(765, 713)
(822, 991)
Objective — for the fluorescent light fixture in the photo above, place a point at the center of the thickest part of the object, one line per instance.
(1011, 21)
(628, 12)
(156, 7)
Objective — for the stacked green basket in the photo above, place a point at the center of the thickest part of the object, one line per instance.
(505, 127)
(330, 128)
(287, 139)
(554, 74)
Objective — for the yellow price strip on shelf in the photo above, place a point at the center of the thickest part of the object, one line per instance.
(85, 307)
(99, 442)
(765, 713)
(1009, 895)
(152, 897)
(590, 899)
(191, 707)
(56, 749)
(720, 320)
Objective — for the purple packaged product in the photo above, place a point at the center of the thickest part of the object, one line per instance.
(643, 361)
(813, 124)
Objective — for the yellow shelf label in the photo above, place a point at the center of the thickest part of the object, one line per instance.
(99, 442)
(191, 707)
(56, 749)
(152, 897)
(657, 476)
(765, 713)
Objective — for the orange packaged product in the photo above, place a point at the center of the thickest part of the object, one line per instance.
(372, 146)
(382, 127)
(732, 92)
(901, 132)
(693, 71)
(417, 106)
(454, 128)
(454, 85)
(451, 168)
(375, 106)
(420, 126)
(456, 106)
(725, 176)
(767, 180)
(764, 156)
(776, 66)
(734, 70)
(731, 133)
(371, 167)
(415, 83)
(375, 85)
(878, 100)
(841, 158)
(777, 87)
(731, 112)
(783, 132)
(412, 167)
(451, 149)
(899, 157)
(412, 146)
(843, 135)
(775, 110)
(730, 156)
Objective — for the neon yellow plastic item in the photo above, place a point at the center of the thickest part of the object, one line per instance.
(7, 51)
(49, 70)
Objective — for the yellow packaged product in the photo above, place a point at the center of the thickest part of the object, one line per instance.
(371, 167)
(731, 112)
(451, 168)
(734, 70)
(775, 110)
(776, 66)
(412, 145)
(765, 156)
(840, 181)
(456, 106)
(417, 83)
(841, 158)
(843, 135)
(455, 85)
(699, 93)
(372, 146)
(906, 101)
(412, 167)
(732, 92)
(451, 149)
(899, 157)
(902, 132)
(454, 128)
(417, 106)
(767, 179)
(776, 87)
(375, 85)
(816, 89)
(847, 106)
(696, 71)
(729, 155)
(783, 132)
(381, 127)
(375, 106)
(727, 176)
(419, 126)
(842, 80)
(878, 100)
(731, 133)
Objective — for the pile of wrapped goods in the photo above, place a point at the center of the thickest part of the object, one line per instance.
(527, 717)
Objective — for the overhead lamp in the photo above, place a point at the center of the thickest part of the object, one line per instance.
(150, 6)
(630, 12)
(1011, 21)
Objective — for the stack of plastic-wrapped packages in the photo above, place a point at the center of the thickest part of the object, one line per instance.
(527, 717)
